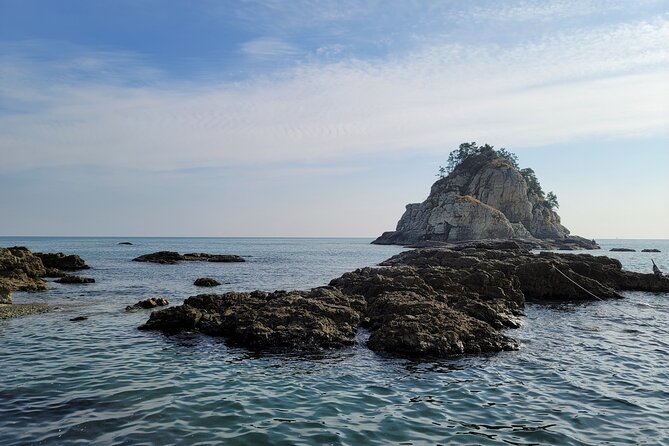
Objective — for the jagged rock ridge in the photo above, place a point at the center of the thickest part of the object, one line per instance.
(482, 198)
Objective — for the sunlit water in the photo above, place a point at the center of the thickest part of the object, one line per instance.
(593, 373)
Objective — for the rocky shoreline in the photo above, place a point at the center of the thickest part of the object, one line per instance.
(424, 303)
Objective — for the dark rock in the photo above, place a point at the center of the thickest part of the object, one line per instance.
(148, 303)
(62, 262)
(296, 320)
(171, 257)
(79, 318)
(432, 302)
(206, 281)
(53, 272)
(162, 257)
(125, 243)
(220, 258)
(622, 250)
(68, 279)
(650, 250)
(20, 270)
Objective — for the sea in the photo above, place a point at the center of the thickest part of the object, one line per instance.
(592, 373)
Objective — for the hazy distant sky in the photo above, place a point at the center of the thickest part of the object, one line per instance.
(323, 118)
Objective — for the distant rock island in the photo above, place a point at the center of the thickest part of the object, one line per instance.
(483, 194)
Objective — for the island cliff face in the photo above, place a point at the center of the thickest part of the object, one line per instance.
(482, 198)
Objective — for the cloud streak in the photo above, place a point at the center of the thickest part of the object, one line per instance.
(110, 109)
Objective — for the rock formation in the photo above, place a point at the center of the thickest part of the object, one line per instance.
(148, 303)
(431, 302)
(70, 279)
(20, 270)
(62, 262)
(484, 197)
(206, 282)
(171, 257)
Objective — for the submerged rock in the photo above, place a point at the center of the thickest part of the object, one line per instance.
(650, 250)
(68, 279)
(431, 302)
(171, 257)
(206, 282)
(622, 250)
(148, 303)
(79, 319)
(125, 243)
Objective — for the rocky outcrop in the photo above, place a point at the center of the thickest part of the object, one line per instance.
(62, 262)
(650, 250)
(20, 270)
(206, 282)
(622, 250)
(70, 279)
(152, 302)
(171, 257)
(298, 320)
(482, 198)
(431, 302)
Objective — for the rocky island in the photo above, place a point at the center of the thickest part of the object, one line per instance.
(458, 294)
(483, 194)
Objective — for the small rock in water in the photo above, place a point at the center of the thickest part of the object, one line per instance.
(75, 279)
(622, 250)
(206, 281)
(651, 250)
(79, 318)
(125, 243)
(148, 303)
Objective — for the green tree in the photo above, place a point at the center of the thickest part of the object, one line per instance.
(532, 181)
(552, 201)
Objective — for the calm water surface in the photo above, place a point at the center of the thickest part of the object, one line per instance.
(593, 373)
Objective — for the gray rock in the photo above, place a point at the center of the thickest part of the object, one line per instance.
(622, 250)
(480, 199)
(650, 250)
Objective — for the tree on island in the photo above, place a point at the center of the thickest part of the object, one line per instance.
(468, 150)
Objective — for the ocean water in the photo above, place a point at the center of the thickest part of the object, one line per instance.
(586, 374)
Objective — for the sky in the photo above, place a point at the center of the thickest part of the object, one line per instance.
(323, 118)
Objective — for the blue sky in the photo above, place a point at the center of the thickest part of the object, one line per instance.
(310, 118)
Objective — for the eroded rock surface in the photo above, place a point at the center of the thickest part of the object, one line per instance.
(20, 270)
(62, 262)
(432, 302)
(301, 320)
(171, 257)
(482, 198)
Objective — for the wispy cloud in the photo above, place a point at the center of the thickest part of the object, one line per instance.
(268, 48)
(611, 81)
